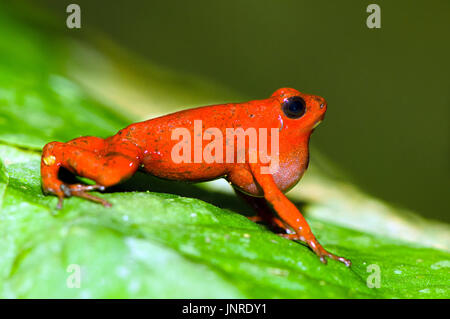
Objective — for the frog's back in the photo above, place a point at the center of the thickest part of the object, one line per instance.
(173, 144)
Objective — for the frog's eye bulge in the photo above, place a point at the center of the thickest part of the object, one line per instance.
(294, 107)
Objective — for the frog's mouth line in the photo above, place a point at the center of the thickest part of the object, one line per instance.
(317, 124)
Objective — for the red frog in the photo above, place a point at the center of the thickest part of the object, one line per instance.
(150, 146)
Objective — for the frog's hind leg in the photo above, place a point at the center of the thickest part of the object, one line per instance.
(104, 161)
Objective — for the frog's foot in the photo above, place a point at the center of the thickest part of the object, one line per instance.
(255, 219)
(274, 223)
(318, 249)
(79, 190)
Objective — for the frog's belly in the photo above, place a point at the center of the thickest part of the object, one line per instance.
(285, 178)
(239, 175)
(192, 172)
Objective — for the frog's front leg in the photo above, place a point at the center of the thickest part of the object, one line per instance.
(107, 162)
(291, 215)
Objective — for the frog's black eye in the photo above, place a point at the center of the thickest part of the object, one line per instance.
(294, 107)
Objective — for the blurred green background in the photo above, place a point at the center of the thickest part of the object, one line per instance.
(387, 89)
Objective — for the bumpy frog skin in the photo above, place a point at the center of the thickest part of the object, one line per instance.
(148, 146)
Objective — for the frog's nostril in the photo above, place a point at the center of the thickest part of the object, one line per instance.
(321, 101)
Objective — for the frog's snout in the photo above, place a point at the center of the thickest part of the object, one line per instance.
(320, 101)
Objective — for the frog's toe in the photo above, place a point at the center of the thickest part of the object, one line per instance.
(343, 260)
(323, 253)
(60, 202)
(79, 190)
(83, 188)
(92, 198)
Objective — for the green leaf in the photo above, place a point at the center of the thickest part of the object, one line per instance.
(162, 245)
